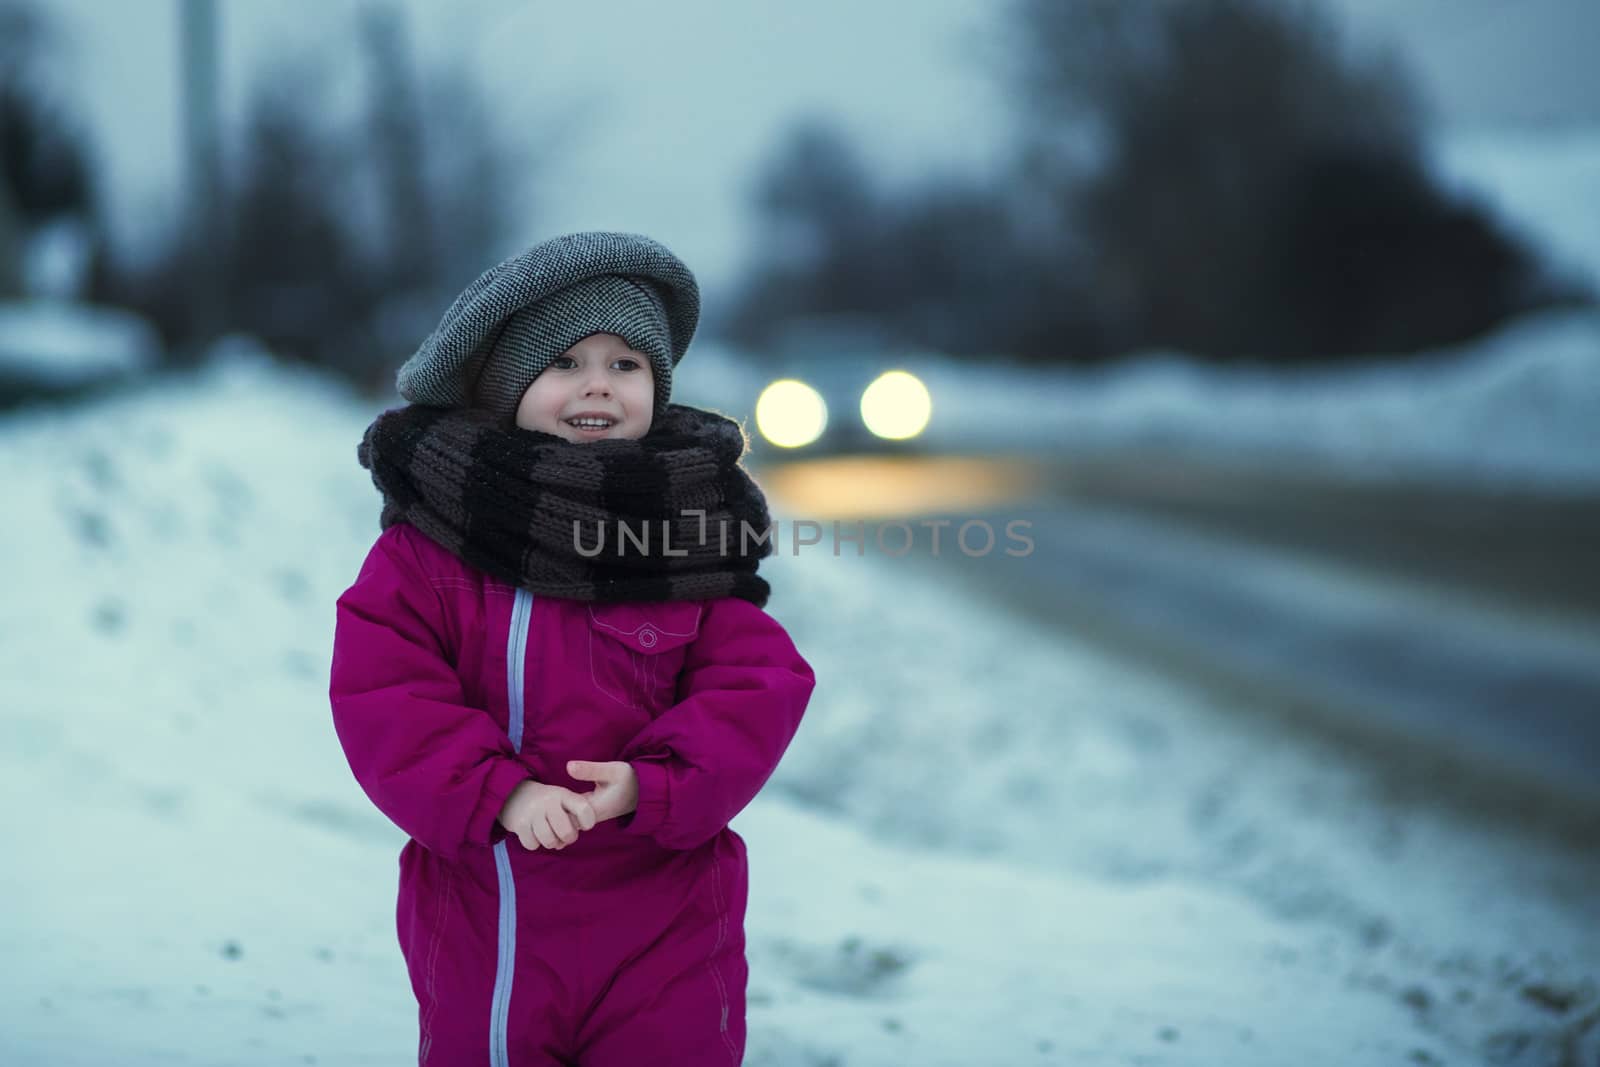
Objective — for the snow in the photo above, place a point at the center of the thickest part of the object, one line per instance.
(61, 343)
(1520, 406)
(988, 844)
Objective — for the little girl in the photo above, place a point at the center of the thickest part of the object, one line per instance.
(562, 717)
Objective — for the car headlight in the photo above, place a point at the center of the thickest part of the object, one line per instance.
(896, 406)
(790, 413)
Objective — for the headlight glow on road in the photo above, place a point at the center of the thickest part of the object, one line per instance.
(790, 413)
(896, 405)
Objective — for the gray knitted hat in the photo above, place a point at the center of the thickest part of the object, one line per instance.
(519, 315)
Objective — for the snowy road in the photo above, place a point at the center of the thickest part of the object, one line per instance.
(1488, 678)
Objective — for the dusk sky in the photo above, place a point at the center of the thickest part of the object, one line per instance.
(669, 108)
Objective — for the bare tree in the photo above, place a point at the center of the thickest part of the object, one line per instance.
(350, 233)
(948, 262)
(394, 128)
(1195, 144)
(295, 266)
(820, 234)
(45, 162)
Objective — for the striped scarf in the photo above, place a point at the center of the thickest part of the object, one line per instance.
(670, 516)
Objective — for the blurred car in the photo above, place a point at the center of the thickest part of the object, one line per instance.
(839, 384)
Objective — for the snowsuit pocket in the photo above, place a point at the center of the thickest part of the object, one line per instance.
(637, 650)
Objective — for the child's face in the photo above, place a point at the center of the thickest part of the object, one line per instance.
(599, 376)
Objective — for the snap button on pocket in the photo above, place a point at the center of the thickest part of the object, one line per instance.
(637, 650)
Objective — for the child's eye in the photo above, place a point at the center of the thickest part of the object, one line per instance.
(564, 362)
(627, 363)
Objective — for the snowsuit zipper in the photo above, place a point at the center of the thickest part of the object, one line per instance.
(516, 654)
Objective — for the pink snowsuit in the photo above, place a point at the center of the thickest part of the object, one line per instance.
(450, 687)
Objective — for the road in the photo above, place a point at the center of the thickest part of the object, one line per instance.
(1443, 631)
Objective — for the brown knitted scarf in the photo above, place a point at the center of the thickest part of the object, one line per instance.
(670, 516)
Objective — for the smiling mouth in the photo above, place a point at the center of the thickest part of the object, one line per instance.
(591, 424)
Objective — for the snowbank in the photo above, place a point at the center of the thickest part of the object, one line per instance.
(1518, 407)
(988, 844)
(60, 344)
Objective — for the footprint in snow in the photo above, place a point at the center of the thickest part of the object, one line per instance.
(850, 968)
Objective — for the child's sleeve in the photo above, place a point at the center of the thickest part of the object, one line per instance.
(438, 768)
(742, 693)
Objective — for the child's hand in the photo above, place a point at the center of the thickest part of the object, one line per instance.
(548, 815)
(618, 789)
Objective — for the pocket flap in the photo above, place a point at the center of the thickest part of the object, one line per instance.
(648, 628)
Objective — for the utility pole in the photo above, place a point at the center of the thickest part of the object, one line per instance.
(206, 237)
